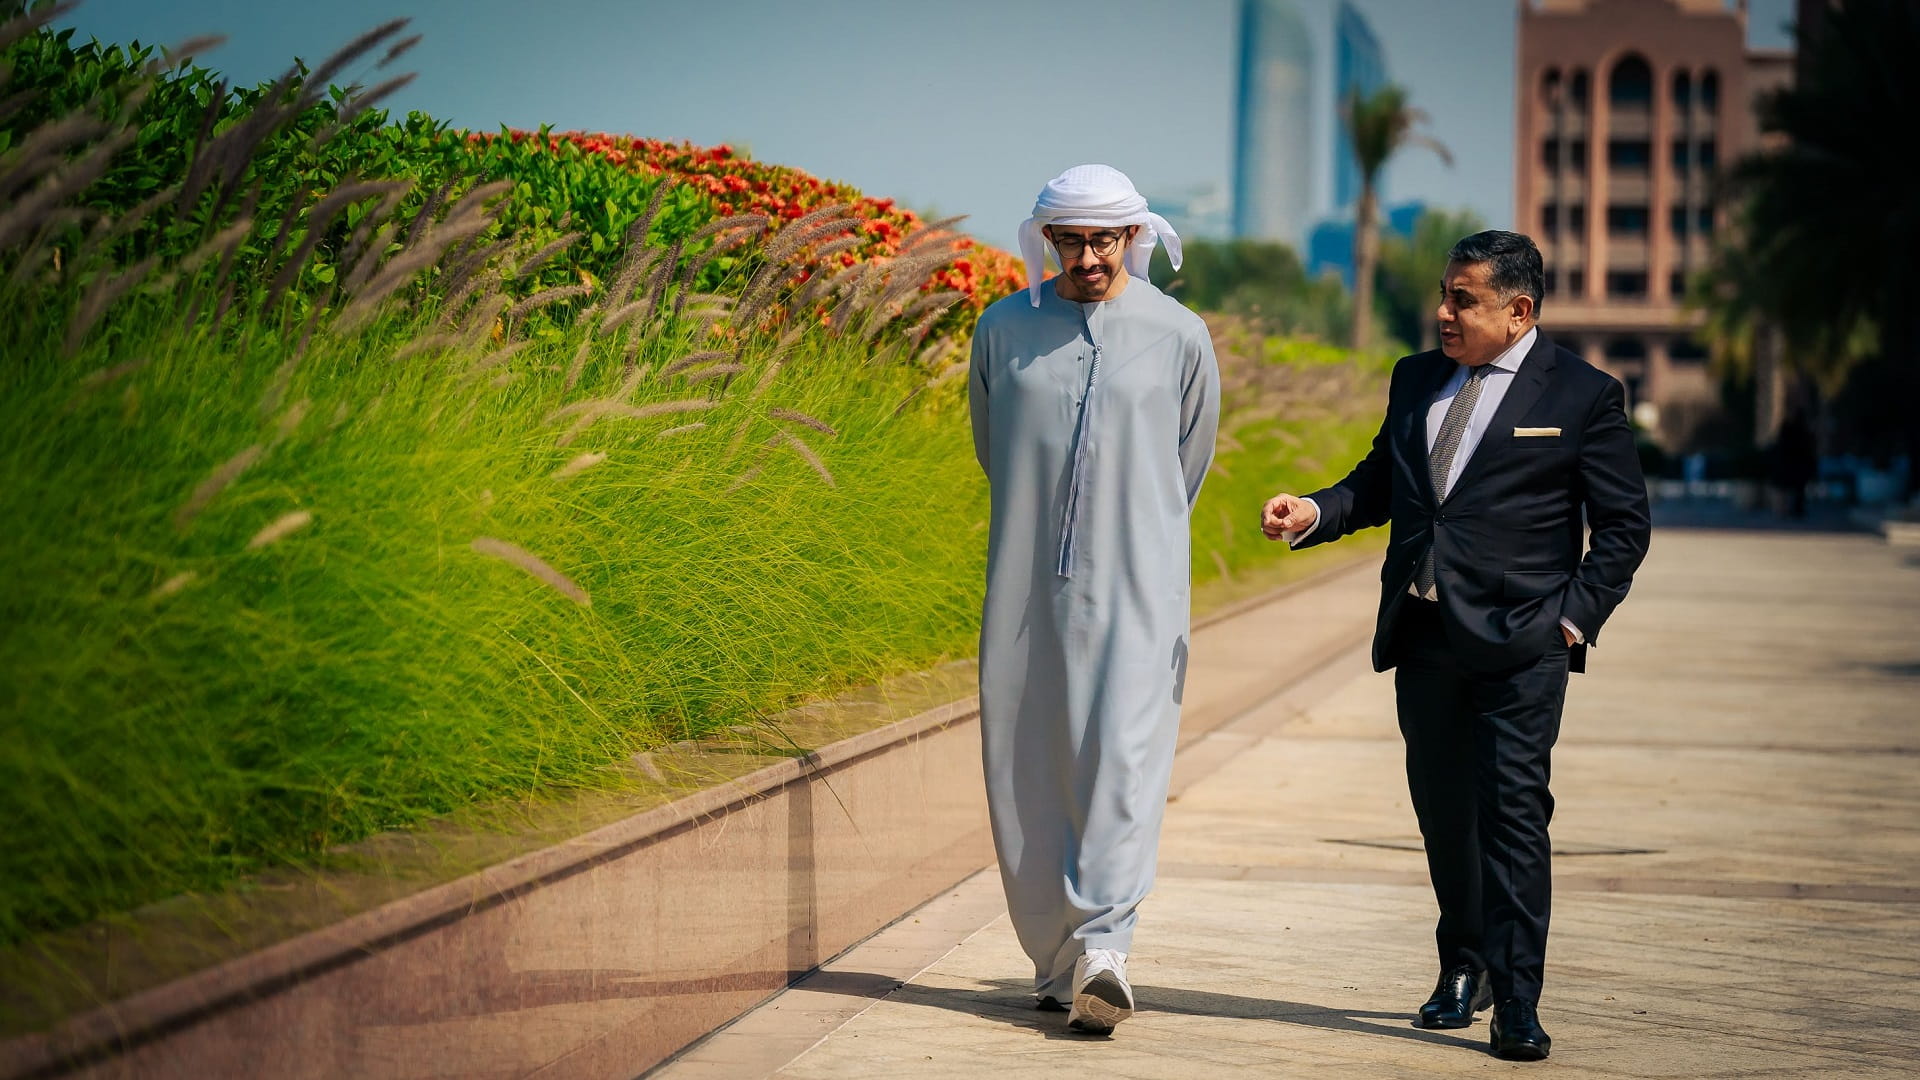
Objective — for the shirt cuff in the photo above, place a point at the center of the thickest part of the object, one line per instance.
(1578, 637)
(1294, 537)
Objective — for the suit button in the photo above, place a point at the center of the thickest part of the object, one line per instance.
(1439, 519)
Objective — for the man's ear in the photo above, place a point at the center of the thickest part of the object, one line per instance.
(1522, 306)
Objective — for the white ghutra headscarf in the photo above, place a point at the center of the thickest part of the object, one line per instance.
(1099, 196)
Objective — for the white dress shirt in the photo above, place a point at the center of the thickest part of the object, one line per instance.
(1493, 389)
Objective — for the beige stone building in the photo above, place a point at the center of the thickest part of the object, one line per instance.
(1627, 111)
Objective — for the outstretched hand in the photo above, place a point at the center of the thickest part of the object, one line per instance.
(1286, 513)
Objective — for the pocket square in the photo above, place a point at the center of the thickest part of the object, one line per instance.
(1528, 432)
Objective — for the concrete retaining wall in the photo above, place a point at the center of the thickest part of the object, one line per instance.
(598, 957)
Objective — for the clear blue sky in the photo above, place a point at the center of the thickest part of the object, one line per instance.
(957, 108)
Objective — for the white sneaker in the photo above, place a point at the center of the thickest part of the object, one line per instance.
(1101, 995)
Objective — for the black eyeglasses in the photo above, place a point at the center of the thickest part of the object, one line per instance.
(1103, 243)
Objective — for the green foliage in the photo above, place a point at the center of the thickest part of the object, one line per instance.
(372, 669)
(600, 203)
(1828, 220)
(1298, 414)
(1263, 280)
(1832, 216)
(280, 575)
(310, 155)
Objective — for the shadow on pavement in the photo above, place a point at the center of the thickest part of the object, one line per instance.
(1010, 1002)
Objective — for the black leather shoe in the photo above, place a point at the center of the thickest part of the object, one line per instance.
(1515, 1033)
(1462, 991)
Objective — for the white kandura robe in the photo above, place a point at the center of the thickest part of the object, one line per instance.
(1095, 425)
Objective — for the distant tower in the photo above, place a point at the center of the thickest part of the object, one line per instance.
(1273, 148)
(1358, 67)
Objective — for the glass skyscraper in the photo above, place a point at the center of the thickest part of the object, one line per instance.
(1273, 146)
(1358, 68)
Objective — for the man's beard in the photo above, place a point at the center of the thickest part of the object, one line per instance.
(1093, 287)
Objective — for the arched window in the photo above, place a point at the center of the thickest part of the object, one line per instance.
(1710, 89)
(1630, 86)
(1682, 90)
(1550, 87)
(1577, 88)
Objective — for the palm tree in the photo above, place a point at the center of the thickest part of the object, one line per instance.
(1832, 217)
(1380, 123)
(1730, 296)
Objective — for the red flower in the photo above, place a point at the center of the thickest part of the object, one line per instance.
(735, 185)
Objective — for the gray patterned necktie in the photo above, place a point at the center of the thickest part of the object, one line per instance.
(1440, 458)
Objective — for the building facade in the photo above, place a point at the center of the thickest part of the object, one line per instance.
(1273, 121)
(1627, 111)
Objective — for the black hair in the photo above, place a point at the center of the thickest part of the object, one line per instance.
(1514, 264)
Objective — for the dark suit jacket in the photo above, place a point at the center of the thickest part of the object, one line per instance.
(1507, 541)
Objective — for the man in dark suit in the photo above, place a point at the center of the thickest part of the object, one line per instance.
(1498, 451)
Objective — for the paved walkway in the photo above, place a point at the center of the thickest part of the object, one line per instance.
(1737, 871)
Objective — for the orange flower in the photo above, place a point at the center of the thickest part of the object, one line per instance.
(736, 184)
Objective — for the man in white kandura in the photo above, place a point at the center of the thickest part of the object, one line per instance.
(1094, 398)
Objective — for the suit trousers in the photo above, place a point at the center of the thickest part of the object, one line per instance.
(1478, 746)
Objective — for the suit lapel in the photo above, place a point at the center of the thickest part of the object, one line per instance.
(1528, 384)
